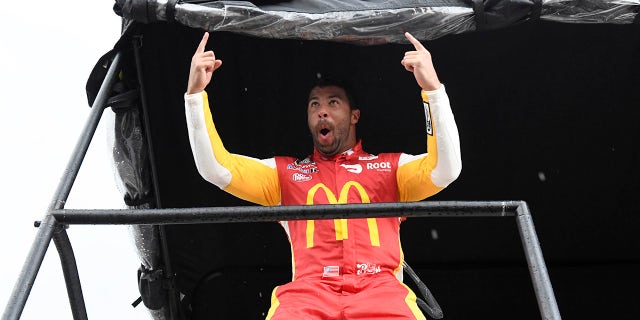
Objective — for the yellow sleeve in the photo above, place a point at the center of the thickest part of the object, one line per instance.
(421, 176)
(254, 180)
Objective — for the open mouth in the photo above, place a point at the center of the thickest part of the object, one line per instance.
(324, 129)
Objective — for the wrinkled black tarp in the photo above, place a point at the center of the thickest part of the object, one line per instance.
(371, 22)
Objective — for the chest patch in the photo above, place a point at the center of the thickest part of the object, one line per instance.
(353, 168)
(303, 170)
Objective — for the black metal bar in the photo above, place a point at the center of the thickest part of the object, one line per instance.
(164, 247)
(70, 271)
(24, 284)
(537, 268)
(277, 213)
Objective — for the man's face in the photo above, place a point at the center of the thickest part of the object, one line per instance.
(331, 120)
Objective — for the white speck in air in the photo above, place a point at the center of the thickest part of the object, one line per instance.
(541, 176)
(434, 234)
(319, 75)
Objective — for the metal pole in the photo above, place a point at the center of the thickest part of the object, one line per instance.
(80, 150)
(164, 247)
(537, 268)
(278, 213)
(24, 284)
(70, 271)
(27, 276)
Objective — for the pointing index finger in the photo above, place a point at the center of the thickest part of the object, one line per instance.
(203, 42)
(414, 41)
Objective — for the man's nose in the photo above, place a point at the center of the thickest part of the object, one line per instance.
(322, 112)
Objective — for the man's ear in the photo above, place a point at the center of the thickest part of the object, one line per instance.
(355, 116)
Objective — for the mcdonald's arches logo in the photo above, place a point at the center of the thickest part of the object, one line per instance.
(340, 225)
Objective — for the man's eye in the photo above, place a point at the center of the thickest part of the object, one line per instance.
(333, 102)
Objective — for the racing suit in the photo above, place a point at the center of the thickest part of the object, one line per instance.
(342, 268)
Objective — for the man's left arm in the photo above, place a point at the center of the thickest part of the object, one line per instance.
(420, 176)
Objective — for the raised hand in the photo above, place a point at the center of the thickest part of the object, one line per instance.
(203, 64)
(419, 63)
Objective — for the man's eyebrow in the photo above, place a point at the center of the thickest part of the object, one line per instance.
(333, 96)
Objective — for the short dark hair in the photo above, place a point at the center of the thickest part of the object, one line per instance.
(322, 82)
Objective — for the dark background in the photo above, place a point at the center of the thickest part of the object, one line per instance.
(547, 113)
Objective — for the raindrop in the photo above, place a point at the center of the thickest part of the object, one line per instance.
(434, 234)
(541, 176)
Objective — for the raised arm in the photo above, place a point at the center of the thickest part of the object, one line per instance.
(247, 178)
(420, 176)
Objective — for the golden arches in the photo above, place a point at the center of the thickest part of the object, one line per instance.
(340, 225)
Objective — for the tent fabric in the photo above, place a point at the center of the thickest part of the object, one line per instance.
(371, 22)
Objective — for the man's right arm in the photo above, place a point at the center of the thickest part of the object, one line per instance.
(247, 178)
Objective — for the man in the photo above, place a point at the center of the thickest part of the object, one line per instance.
(342, 268)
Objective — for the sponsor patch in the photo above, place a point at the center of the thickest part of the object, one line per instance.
(353, 168)
(304, 161)
(303, 170)
(331, 271)
(367, 268)
(300, 177)
(368, 158)
(305, 166)
(427, 115)
(379, 166)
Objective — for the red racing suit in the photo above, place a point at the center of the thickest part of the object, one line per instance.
(342, 268)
